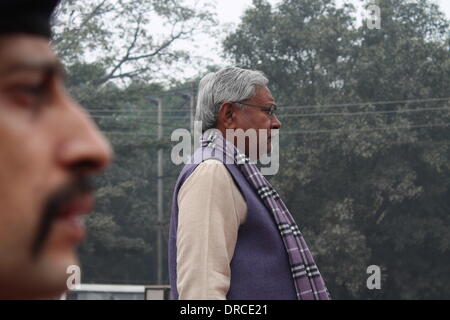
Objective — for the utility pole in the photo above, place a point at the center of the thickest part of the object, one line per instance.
(191, 98)
(159, 196)
(191, 111)
(157, 98)
(190, 95)
(192, 107)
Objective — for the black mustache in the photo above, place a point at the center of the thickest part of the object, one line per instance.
(78, 186)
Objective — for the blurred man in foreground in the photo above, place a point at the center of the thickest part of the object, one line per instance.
(49, 149)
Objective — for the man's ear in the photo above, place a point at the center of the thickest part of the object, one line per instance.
(227, 115)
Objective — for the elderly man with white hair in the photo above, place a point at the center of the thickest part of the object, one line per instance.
(231, 236)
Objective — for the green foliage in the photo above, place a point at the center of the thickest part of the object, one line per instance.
(112, 60)
(122, 230)
(368, 182)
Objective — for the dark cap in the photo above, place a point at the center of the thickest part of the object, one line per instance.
(26, 16)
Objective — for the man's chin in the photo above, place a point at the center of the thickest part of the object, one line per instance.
(47, 278)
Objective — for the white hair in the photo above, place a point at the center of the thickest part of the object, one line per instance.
(228, 84)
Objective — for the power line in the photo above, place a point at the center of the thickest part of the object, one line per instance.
(147, 122)
(424, 142)
(368, 129)
(362, 113)
(127, 117)
(355, 104)
(144, 111)
(367, 138)
(282, 116)
(318, 131)
(123, 133)
(336, 130)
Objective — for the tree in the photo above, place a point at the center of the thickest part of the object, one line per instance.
(368, 181)
(118, 36)
(114, 61)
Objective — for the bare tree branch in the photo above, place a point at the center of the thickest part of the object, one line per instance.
(95, 12)
(125, 58)
(135, 55)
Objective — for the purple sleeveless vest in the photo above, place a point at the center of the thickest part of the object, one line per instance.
(260, 268)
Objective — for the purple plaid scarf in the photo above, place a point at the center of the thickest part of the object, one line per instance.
(308, 282)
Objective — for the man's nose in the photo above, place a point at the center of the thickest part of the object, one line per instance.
(84, 148)
(276, 123)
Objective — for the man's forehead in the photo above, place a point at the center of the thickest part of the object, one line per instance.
(263, 93)
(45, 66)
(24, 52)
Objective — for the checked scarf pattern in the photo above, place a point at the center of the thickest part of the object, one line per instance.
(308, 281)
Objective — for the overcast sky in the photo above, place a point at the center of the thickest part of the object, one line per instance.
(228, 14)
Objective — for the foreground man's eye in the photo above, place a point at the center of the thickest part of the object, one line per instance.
(30, 95)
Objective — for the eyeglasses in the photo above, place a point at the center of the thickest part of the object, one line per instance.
(270, 110)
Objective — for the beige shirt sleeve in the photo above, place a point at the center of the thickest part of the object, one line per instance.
(211, 209)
